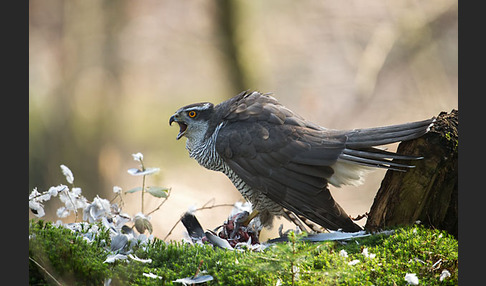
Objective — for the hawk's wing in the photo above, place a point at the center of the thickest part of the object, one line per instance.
(289, 160)
(292, 160)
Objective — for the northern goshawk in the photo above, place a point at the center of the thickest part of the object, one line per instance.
(283, 163)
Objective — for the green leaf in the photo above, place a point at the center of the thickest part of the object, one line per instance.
(159, 192)
(134, 190)
(142, 224)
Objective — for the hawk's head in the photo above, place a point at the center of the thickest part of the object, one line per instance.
(193, 120)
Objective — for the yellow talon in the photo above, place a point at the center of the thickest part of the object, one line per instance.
(253, 214)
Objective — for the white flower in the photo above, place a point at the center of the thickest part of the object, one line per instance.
(445, 274)
(138, 172)
(117, 190)
(134, 257)
(37, 208)
(411, 279)
(138, 157)
(68, 174)
(33, 194)
(113, 257)
(343, 253)
(36, 198)
(53, 191)
(96, 210)
(120, 220)
(354, 262)
(62, 212)
(73, 199)
(366, 254)
(151, 275)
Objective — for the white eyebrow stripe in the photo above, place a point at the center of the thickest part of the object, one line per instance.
(200, 108)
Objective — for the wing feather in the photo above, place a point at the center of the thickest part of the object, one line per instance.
(276, 162)
(291, 160)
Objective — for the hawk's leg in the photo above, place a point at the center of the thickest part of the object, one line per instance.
(253, 214)
(300, 221)
(293, 218)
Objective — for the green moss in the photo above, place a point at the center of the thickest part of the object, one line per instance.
(73, 260)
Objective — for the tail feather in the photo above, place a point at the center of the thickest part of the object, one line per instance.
(373, 157)
(376, 163)
(360, 154)
(368, 137)
(374, 153)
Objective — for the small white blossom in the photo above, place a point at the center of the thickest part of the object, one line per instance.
(68, 174)
(62, 212)
(117, 190)
(96, 210)
(445, 274)
(151, 275)
(114, 257)
(53, 191)
(37, 208)
(134, 257)
(33, 194)
(353, 262)
(138, 172)
(138, 157)
(73, 199)
(343, 253)
(36, 199)
(411, 279)
(366, 254)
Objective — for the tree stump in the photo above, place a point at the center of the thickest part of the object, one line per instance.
(428, 192)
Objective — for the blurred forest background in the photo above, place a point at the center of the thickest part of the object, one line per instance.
(105, 76)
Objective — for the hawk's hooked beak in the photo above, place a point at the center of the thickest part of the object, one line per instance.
(182, 125)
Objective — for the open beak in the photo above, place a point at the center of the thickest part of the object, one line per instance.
(182, 126)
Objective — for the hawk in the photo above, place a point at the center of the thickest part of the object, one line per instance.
(281, 162)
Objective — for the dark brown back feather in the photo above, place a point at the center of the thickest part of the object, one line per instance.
(291, 160)
(270, 148)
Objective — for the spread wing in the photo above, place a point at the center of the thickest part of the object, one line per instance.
(289, 160)
(292, 160)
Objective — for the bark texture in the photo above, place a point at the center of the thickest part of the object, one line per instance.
(427, 192)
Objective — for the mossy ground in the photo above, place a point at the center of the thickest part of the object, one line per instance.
(72, 260)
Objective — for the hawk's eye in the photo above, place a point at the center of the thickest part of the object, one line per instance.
(192, 113)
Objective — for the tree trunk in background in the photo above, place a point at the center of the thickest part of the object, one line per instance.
(429, 191)
(226, 20)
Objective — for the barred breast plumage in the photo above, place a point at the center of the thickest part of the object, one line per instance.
(206, 155)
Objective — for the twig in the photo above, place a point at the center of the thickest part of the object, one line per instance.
(157, 208)
(143, 190)
(143, 180)
(45, 270)
(72, 202)
(198, 268)
(204, 207)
